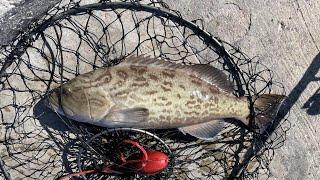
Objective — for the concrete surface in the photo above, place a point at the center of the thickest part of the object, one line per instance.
(284, 35)
(15, 15)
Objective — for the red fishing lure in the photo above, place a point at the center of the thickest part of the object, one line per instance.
(155, 163)
(145, 162)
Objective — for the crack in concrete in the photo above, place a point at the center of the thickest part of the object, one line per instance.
(305, 23)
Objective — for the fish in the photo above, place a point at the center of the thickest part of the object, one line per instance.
(151, 93)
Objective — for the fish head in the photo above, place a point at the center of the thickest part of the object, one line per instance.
(69, 101)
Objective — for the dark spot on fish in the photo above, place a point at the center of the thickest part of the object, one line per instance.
(168, 103)
(196, 82)
(179, 96)
(169, 73)
(206, 112)
(168, 118)
(163, 98)
(196, 113)
(216, 100)
(190, 103)
(112, 88)
(167, 111)
(139, 69)
(192, 112)
(153, 77)
(122, 93)
(214, 90)
(140, 84)
(107, 77)
(140, 79)
(165, 89)
(143, 70)
(85, 76)
(206, 105)
(182, 87)
(161, 117)
(187, 112)
(199, 100)
(151, 92)
(197, 106)
(167, 83)
(122, 74)
(159, 104)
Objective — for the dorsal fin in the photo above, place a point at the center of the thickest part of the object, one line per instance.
(205, 72)
(146, 60)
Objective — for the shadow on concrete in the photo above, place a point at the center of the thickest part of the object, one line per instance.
(313, 104)
(48, 118)
(308, 77)
(59, 130)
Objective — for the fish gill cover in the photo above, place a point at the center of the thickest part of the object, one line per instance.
(78, 36)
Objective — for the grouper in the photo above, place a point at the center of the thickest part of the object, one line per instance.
(148, 93)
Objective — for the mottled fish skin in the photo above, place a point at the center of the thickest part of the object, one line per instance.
(173, 97)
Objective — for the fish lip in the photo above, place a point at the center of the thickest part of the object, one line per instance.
(46, 102)
(53, 102)
(50, 102)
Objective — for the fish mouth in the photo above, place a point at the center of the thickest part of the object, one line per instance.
(51, 101)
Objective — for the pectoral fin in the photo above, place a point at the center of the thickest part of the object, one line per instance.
(205, 131)
(127, 117)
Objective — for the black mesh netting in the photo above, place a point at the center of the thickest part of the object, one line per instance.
(78, 36)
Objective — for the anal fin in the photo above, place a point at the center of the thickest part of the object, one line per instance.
(205, 131)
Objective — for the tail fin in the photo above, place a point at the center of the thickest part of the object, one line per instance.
(266, 108)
